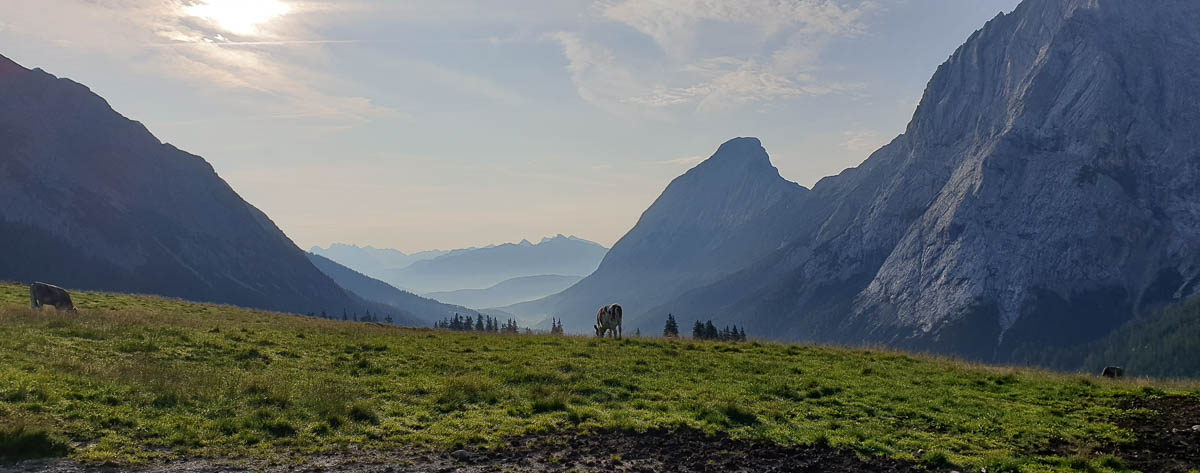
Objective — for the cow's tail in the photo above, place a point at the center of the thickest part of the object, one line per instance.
(32, 296)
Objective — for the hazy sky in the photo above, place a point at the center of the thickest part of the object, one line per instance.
(419, 124)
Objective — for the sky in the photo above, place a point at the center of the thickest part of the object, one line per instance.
(438, 124)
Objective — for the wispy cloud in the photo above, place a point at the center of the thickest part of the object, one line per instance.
(776, 58)
(597, 74)
(675, 24)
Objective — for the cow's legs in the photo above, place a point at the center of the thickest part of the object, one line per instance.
(618, 331)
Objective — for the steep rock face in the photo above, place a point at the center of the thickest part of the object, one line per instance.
(90, 199)
(1044, 192)
(709, 222)
(1079, 210)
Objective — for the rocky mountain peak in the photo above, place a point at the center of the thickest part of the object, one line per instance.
(738, 156)
(708, 222)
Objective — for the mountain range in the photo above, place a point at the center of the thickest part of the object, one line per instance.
(1043, 194)
(486, 270)
(372, 261)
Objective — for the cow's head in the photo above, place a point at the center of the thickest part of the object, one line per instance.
(599, 331)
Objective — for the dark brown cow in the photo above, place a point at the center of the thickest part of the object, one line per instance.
(41, 294)
(1113, 372)
(608, 319)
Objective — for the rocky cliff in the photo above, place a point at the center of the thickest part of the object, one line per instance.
(1044, 193)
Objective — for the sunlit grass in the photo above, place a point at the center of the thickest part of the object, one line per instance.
(133, 378)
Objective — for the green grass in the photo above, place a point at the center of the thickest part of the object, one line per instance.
(131, 379)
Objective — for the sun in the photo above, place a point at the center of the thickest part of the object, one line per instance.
(240, 17)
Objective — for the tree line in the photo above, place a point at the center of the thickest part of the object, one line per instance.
(479, 323)
(705, 331)
(354, 317)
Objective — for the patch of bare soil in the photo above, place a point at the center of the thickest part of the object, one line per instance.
(612, 451)
(1167, 441)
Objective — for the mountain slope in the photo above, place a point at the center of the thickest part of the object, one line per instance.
(507, 292)
(1044, 193)
(725, 213)
(1165, 345)
(485, 267)
(90, 199)
(419, 311)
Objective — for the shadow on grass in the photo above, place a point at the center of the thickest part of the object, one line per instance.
(23, 443)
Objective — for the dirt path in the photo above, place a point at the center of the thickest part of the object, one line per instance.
(655, 451)
(1168, 441)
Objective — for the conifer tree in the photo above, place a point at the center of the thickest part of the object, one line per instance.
(479, 324)
(671, 330)
(698, 331)
(710, 331)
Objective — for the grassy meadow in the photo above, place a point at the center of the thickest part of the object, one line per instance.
(131, 379)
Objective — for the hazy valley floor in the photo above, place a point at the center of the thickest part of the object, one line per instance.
(166, 385)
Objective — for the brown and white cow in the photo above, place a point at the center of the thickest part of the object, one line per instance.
(608, 320)
(41, 294)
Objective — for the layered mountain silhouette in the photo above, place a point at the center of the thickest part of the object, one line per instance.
(1044, 193)
(480, 268)
(90, 199)
(425, 310)
(373, 261)
(507, 292)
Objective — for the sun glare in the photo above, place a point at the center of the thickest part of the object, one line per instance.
(240, 17)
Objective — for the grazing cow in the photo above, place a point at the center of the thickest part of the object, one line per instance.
(41, 294)
(608, 319)
(1113, 372)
